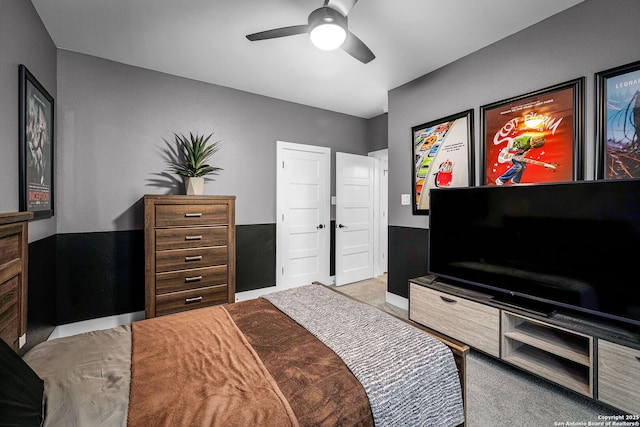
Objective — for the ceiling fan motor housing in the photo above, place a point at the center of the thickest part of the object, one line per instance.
(327, 15)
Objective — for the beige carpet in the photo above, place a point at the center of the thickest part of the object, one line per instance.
(373, 292)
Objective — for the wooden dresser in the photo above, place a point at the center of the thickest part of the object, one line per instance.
(14, 251)
(190, 252)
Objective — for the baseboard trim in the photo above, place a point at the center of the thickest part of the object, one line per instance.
(256, 293)
(397, 300)
(100, 323)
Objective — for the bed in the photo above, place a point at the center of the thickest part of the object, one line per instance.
(307, 356)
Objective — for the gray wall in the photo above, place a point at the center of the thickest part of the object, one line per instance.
(113, 118)
(588, 38)
(111, 122)
(23, 40)
(378, 133)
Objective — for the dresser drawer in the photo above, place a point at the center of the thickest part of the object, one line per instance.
(9, 311)
(189, 300)
(183, 280)
(182, 259)
(472, 323)
(190, 237)
(9, 248)
(619, 376)
(185, 215)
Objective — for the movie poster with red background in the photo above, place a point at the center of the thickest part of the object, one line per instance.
(550, 115)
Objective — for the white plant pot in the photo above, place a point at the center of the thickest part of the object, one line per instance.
(194, 186)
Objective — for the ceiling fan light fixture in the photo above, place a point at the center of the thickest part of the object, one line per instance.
(327, 28)
(328, 36)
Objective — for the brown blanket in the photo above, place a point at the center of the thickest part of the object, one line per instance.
(320, 388)
(197, 369)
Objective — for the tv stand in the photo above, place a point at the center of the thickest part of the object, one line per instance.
(595, 359)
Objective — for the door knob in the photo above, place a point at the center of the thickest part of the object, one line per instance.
(342, 226)
(320, 227)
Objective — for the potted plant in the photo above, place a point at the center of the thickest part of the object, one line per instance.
(191, 158)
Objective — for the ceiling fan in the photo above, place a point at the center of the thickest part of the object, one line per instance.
(328, 29)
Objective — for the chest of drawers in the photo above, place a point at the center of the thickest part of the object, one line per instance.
(189, 252)
(13, 277)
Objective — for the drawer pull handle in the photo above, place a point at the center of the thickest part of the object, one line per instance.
(192, 300)
(448, 300)
(193, 215)
(192, 237)
(193, 258)
(193, 279)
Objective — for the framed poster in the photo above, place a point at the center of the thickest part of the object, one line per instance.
(36, 132)
(534, 138)
(618, 122)
(442, 156)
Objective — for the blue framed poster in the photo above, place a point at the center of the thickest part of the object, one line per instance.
(618, 128)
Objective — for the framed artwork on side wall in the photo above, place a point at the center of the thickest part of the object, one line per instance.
(618, 127)
(36, 134)
(535, 137)
(442, 156)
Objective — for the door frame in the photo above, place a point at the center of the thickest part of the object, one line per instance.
(380, 212)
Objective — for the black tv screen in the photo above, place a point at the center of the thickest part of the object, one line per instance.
(570, 245)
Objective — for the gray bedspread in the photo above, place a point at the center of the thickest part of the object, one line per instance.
(86, 378)
(409, 376)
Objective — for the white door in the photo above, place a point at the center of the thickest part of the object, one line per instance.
(354, 217)
(303, 236)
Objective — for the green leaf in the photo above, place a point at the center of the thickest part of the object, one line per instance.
(193, 154)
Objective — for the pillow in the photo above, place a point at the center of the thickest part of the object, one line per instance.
(22, 391)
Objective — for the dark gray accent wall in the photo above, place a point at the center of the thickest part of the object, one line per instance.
(81, 276)
(112, 122)
(99, 274)
(42, 292)
(23, 40)
(255, 256)
(590, 37)
(408, 259)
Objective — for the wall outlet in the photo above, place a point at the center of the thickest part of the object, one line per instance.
(406, 199)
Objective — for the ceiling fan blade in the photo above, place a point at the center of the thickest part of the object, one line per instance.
(279, 32)
(356, 48)
(342, 6)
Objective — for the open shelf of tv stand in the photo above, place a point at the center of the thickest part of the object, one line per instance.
(560, 355)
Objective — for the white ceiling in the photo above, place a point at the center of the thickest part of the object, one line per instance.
(205, 40)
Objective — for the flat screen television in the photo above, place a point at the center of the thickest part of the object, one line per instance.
(572, 246)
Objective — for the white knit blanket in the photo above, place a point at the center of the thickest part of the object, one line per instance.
(409, 376)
